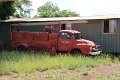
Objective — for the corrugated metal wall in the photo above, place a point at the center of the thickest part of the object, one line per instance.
(0, 36)
(32, 28)
(5, 36)
(118, 36)
(93, 31)
(35, 28)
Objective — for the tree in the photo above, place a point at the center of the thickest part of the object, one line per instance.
(15, 8)
(22, 8)
(7, 9)
(48, 10)
(66, 13)
(52, 10)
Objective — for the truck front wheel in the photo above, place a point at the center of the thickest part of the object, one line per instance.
(75, 51)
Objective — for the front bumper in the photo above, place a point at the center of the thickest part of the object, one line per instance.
(96, 51)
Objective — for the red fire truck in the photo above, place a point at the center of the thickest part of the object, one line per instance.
(66, 41)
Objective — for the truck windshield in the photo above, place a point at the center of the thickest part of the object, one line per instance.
(76, 36)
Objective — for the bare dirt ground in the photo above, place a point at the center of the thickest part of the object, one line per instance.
(110, 72)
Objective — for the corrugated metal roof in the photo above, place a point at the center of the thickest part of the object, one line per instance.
(101, 17)
(42, 19)
(60, 19)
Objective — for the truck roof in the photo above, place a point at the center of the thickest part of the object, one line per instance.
(70, 31)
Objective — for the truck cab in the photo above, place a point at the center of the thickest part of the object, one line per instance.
(72, 42)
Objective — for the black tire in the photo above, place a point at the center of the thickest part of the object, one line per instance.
(75, 52)
(21, 48)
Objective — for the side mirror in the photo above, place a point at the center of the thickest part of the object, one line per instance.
(81, 36)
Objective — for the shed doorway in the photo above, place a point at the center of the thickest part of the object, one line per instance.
(63, 26)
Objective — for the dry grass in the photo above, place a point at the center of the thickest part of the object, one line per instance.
(21, 62)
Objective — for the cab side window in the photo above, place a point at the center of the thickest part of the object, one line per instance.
(73, 37)
(64, 35)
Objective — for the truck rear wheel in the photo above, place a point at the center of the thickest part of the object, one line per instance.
(75, 51)
(21, 48)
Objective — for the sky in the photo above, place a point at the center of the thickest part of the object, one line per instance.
(83, 7)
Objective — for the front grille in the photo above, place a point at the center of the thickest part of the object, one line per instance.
(98, 48)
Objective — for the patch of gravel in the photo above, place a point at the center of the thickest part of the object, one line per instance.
(63, 74)
(106, 69)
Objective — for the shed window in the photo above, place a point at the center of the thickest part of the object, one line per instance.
(14, 28)
(110, 26)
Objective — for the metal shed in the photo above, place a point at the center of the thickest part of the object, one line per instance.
(96, 28)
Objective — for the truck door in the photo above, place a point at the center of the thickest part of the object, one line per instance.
(64, 42)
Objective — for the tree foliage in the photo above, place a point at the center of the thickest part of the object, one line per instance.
(7, 9)
(66, 13)
(48, 10)
(52, 10)
(15, 8)
(22, 8)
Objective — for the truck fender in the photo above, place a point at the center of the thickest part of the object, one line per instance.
(23, 44)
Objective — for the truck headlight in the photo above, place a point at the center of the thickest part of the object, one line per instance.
(90, 48)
